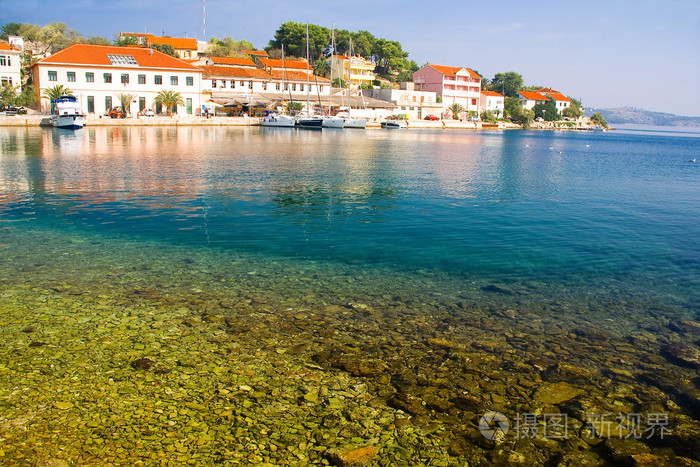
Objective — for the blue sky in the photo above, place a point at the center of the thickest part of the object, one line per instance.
(641, 53)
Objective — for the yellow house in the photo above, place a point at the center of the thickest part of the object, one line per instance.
(356, 70)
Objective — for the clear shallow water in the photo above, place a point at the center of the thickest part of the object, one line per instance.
(228, 296)
(547, 206)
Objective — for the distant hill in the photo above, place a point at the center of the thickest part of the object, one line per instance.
(619, 115)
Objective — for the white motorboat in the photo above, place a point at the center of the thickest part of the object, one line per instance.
(395, 124)
(279, 121)
(67, 114)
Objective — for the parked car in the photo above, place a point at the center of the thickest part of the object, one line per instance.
(148, 113)
(432, 117)
(473, 118)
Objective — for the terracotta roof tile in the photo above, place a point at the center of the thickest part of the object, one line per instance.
(533, 96)
(291, 75)
(176, 42)
(4, 46)
(88, 54)
(557, 96)
(232, 61)
(297, 64)
(213, 71)
(452, 70)
(257, 53)
(491, 93)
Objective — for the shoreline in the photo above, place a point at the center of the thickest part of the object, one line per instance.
(94, 120)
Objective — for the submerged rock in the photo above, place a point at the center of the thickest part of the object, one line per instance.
(683, 354)
(142, 363)
(556, 393)
(352, 456)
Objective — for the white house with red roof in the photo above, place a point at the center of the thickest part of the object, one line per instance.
(98, 74)
(9, 65)
(562, 102)
(456, 85)
(529, 99)
(493, 102)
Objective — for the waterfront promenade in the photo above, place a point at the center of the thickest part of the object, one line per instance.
(95, 120)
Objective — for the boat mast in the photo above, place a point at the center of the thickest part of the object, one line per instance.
(332, 53)
(308, 108)
(284, 82)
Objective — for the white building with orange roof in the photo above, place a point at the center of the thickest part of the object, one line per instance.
(9, 65)
(562, 102)
(98, 74)
(493, 102)
(456, 85)
(356, 70)
(529, 99)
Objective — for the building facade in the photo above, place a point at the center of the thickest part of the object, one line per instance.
(493, 102)
(455, 85)
(355, 70)
(529, 99)
(97, 75)
(416, 104)
(10, 65)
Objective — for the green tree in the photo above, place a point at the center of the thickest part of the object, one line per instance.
(488, 116)
(166, 49)
(228, 47)
(339, 83)
(10, 29)
(125, 101)
(547, 111)
(573, 111)
(97, 40)
(508, 83)
(511, 105)
(294, 107)
(57, 91)
(169, 99)
(598, 119)
(456, 110)
(28, 96)
(438, 99)
(8, 95)
(322, 67)
(125, 41)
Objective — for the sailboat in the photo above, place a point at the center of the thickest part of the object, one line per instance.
(309, 121)
(272, 119)
(352, 122)
(330, 121)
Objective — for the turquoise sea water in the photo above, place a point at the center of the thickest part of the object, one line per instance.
(545, 206)
(468, 271)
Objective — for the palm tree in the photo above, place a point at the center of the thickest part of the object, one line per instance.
(125, 101)
(456, 110)
(169, 99)
(322, 68)
(57, 91)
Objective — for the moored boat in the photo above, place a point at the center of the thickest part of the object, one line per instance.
(311, 123)
(67, 113)
(395, 124)
(279, 121)
(333, 122)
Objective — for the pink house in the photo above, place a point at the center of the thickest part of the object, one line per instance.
(456, 85)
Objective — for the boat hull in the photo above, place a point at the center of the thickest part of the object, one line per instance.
(395, 125)
(73, 122)
(333, 122)
(278, 121)
(310, 123)
(359, 123)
